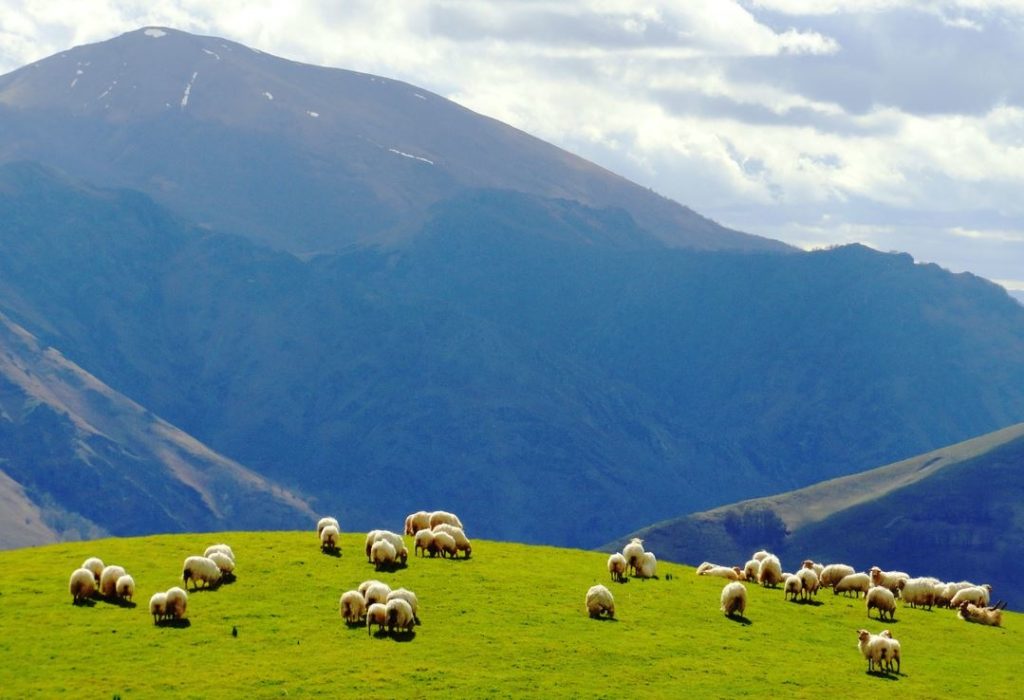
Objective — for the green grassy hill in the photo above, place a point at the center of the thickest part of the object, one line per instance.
(509, 622)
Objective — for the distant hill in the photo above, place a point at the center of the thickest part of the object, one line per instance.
(954, 513)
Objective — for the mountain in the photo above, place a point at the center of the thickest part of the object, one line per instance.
(544, 368)
(302, 158)
(77, 460)
(954, 513)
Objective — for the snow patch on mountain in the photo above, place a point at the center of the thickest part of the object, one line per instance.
(155, 33)
(410, 155)
(188, 90)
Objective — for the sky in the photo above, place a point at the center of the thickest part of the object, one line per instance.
(894, 123)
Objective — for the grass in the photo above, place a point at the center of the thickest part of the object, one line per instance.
(509, 622)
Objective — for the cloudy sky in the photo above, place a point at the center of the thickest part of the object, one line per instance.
(896, 123)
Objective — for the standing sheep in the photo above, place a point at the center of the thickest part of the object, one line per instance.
(889, 579)
(857, 583)
(177, 602)
(834, 573)
(734, 599)
(792, 586)
(894, 653)
(919, 591)
(760, 555)
(617, 567)
(600, 602)
(873, 647)
(882, 599)
(96, 566)
(439, 516)
(632, 552)
(81, 585)
(751, 569)
(158, 606)
(382, 554)
(329, 538)
(400, 616)
(376, 614)
(410, 598)
(222, 548)
(225, 563)
(648, 566)
(770, 573)
(352, 607)
(125, 587)
(808, 582)
(424, 543)
(978, 595)
(376, 592)
(108, 580)
(445, 544)
(200, 570)
(462, 543)
(324, 522)
(416, 522)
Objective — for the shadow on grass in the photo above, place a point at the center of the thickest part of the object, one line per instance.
(227, 579)
(884, 675)
(391, 568)
(740, 619)
(403, 636)
(84, 603)
(122, 603)
(181, 624)
(331, 552)
(358, 625)
(602, 618)
(808, 601)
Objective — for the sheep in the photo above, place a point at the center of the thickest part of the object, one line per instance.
(700, 569)
(410, 598)
(883, 600)
(894, 653)
(158, 606)
(177, 603)
(889, 579)
(617, 566)
(969, 612)
(792, 586)
(770, 573)
(858, 583)
(809, 583)
(329, 539)
(108, 580)
(351, 606)
(978, 595)
(222, 548)
(760, 555)
(648, 566)
(600, 601)
(81, 585)
(125, 587)
(376, 614)
(383, 554)
(445, 544)
(376, 592)
(632, 552)
(734, 599)
(424, 543)
(415, 522)
(225, 563)
(873, 647)
(96, 566)
(200, 570)
(462, 543)
(324, 522)
(833, 574)
(396, 541)
(440, 516)
(813, 566)
(399, 615)
(919, 591)
(733, 573)
(751, 569)
(949, 590)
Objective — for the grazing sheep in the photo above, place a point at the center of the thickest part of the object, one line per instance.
(81, 585)
(770, 573)
(351, 606)
(376, 592)
(125, 587)
(617, 566)
(734, 599)
(792, 586)
(415, 522)
(329, 538)
(833, 574)
(365, 585)
(919, 591)
(889, 579)
(751, 569)
(894, 653)
(200, 570)
(222, 548)
(108, 580)
(648, 566)
(733, 573)
(177, 603)
(324, 522)
(813, 566)
(400, 616)
(809, 582)
(225, 563)
(396, 541)
(873, 647)
(439, 516)
(376, 614)
(410, 598)
(600, 602)
(462, 543)
(424, 543)
(383, 554)
(445, 544)
(883, 600)
(158, 606)
(978, 595)
(632, 552)
(760, 555)
(96, 566)
(969, 612)
(858, 583)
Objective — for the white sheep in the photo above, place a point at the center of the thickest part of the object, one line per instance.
(415, 522)
(704, 566)
(324, 522)
(222, 548)
(351, 606)
(376, 614)
(733, 573)
(889, 579)
(399, 614)
(410, 598)
(814, 566)
(439, 516)
(792, 586)
(949, 590)
(177, 602)
(882, 599)
(770, 573)
(108, 580)
(600, 602)
(200, 570)
(648, 566)
(96, 566)
(751, 569)
(760, 555)
(225, 563)
(445, 544)
(920, 591)
(873, 647)
(424, 542)
(968, 612)
(857, 583)
(977, 595)
(396, 541)
(809, 582)
(632, 552)
(81, 585)
(462, 543)
(158, 606)
(383, 554)
(125, 587)
(894, 652)
(617, 566)
(834, 573)
(734, 599)
(329, 538)
(376, 592)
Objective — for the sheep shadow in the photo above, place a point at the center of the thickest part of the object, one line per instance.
(620, 580)
(227, 579)
(390, 568)
(884, 675)
(358, 624)
(883, 620)
(205, 589)
(335, 552)
(808, 601)
(403, 637)
(740, 619)
(122, 603)
(602, 618)
(84, 603)
(178, 624)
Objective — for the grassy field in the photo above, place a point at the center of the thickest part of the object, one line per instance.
(509, 622)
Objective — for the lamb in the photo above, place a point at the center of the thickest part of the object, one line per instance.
(225, 563)
(376, 614)
(329, 539)
(809, 582)
(734, 599)
(873, 647)
(125, 587)
(919, 591)
(978, 595)
(751, 569)
(158, 606)
(889, 579)
(352, 607)
(462, 543)
(96, 566)
(894, 654)
(81, 585)
(969, 612)
(383, 554)
(440, 516)
(410, 598)
(617, 566)
(424, 542)
(632, 552)
(648, 565)
(834, 573)
(733, 573)
(108, 580)
(770, 573)
(222, 548)
(324, 522)
(858, 583)
(416, 522)
(883, 600)
(200, 570)
(399, 614)
(792, 586)
(600, 602)
(375, 592)
(445, 544)
(177, 602)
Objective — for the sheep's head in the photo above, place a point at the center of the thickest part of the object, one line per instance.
(863, 635)
(885, 633)
(808, 564)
